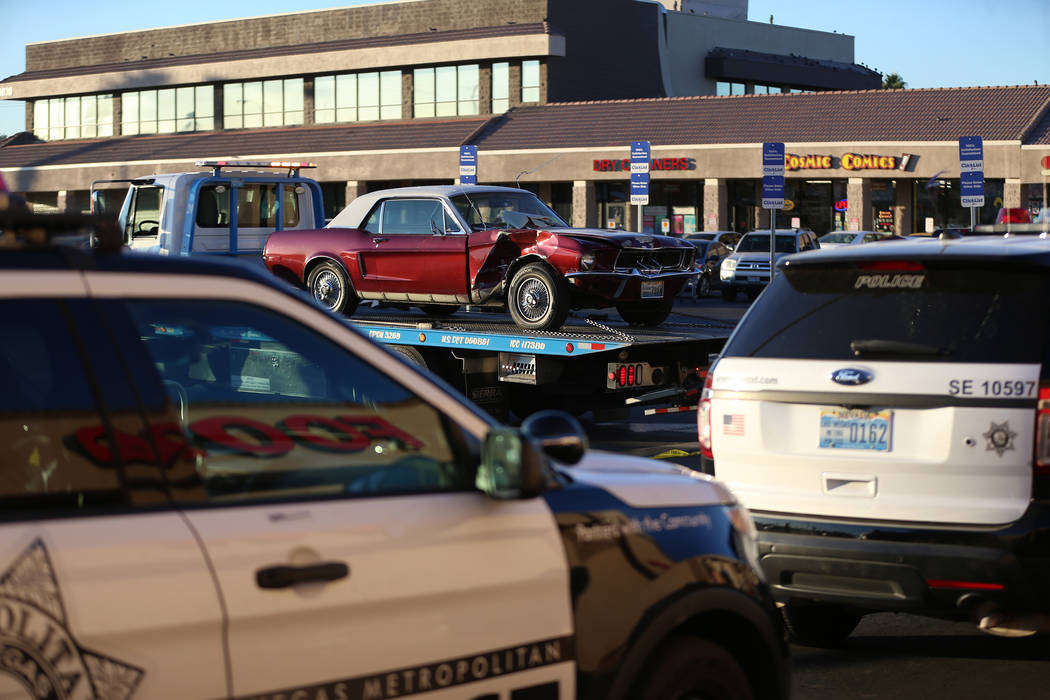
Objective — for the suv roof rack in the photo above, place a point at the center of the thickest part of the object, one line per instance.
(293, 166)
(21, 230)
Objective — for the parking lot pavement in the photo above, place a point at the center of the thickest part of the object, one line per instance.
(711, 307)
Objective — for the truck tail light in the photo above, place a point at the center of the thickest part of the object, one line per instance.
(703, 418)
(636, 374)
(1042, 433)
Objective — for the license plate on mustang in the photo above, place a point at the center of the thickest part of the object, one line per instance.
(856, 429)
(653, 290)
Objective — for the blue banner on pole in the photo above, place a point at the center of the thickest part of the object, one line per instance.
(640, 156)
(468, 165)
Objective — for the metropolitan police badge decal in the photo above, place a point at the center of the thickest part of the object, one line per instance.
(999, 438)
(37, 647)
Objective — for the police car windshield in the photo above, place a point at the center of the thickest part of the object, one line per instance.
(759, 243)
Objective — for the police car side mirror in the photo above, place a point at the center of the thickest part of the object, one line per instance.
(558, 434)
(512, 466)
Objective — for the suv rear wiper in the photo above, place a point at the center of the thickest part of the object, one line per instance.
(874, 346)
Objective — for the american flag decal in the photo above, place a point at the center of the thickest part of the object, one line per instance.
(733, 424)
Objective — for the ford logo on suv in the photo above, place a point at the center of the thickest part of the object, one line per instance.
(850, 376)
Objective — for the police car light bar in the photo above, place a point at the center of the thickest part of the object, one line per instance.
(217, 165)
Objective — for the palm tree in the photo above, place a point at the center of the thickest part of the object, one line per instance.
(893, 82)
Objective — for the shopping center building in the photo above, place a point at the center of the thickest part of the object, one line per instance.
(551, 93)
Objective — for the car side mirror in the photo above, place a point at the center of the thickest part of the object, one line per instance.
(558, 434)
(512, 466)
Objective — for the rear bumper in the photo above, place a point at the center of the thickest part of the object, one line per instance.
(928, 570)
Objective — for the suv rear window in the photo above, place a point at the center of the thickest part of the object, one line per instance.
(962, 313)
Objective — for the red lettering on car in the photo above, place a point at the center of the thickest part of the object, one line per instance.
(270, 442)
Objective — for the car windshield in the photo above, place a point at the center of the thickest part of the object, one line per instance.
(758, 242)
(485, 210)
(700, 236)
(837, 238)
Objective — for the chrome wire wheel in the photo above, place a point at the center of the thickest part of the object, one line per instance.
(538, 298)
(533, 299)
(328, 284)
(327, 288)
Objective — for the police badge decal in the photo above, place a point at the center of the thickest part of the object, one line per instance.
(37, 647)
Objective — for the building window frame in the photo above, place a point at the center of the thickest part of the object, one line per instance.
(258, 103)
(530, 81)
(446, 91)
(500, 87)
(353, 97)
(73, 117)
(167, 110)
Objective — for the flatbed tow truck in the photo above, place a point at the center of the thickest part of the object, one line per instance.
(593, 363)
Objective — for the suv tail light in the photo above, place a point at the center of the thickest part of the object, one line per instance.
(1042, 433)
(703, 417)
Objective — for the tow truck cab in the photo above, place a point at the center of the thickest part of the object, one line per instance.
(191, 213)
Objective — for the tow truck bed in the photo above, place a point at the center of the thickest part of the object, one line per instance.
(593, 362)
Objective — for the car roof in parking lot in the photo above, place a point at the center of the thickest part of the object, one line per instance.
(1032, 248)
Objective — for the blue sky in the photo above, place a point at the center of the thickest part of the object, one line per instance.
(930, 43)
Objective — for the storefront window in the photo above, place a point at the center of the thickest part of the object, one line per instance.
(819, 205)
(613, 201)
(742, 205)
(938, 205)
(883, 198)
(674, 208)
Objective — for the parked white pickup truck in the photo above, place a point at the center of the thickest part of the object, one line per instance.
(191, 212)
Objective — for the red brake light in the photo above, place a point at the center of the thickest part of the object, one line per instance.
(893, 266)
(623, 375)
(630, 375)
(1042, 432)
(1013, 215)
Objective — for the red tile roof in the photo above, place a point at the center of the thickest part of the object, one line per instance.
(994, 113)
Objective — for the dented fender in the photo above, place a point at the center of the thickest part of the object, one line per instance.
(492, 255)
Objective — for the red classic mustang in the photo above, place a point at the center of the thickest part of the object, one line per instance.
(443, 246)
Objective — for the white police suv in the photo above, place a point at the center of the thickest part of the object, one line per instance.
(212, 487)
(884, 413)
